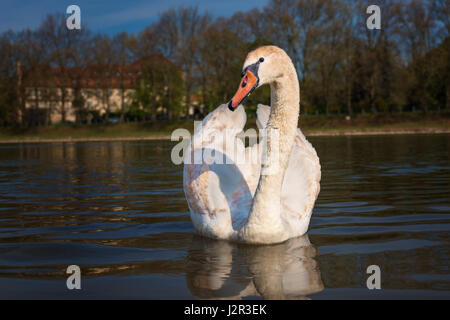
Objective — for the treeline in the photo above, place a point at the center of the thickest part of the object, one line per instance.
(343, 67)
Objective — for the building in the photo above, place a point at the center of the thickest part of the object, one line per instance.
(53, 94)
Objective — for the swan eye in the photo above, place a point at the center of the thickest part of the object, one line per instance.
(261, 59)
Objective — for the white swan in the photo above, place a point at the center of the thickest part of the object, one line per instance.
(240, 201)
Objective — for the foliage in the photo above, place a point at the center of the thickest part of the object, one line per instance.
(343, 67)
(160, 85)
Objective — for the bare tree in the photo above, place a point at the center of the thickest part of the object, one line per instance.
(221, 52)
(66, 52)
(9, 92)
(177, 35)
(124, 47)
(31, 55)
(441, 13)
(103, 71)
(417, 25)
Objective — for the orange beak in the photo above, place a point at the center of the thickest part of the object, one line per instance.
(248, 83)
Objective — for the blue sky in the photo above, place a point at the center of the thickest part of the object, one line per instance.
(111, 16)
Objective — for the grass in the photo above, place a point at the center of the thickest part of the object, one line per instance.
(310, 124)
(409, 120)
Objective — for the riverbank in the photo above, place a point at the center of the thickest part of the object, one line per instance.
(369, 124)
(308, 133)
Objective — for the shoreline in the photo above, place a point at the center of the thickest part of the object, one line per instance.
(314, 133)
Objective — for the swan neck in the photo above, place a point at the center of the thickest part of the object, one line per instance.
(264, 221)
(282, 124)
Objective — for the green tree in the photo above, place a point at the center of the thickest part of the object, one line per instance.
(160, 85)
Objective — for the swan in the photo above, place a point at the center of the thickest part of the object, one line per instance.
(265, 201)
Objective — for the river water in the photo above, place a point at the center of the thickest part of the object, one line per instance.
(117, 210)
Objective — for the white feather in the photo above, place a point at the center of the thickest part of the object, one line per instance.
(220, 195)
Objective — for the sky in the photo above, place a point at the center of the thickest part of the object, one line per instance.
(111, 16)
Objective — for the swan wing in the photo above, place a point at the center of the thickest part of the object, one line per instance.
(215, 184)
(253, 153)
(301, 186)
(301, 182)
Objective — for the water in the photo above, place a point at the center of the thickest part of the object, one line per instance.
(117, 209)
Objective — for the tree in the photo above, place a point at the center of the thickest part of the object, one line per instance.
(67, 51)
(417, 26)
(160, 85)
(219, 63)
(440, 10)
(177, 37)
(124, 47)
(30, 55)
(8, 81)
(103, 71)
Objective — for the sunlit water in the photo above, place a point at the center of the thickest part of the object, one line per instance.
(118, 211)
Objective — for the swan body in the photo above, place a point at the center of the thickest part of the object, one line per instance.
(243, 200)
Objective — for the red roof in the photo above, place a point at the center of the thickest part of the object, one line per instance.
(92, 76)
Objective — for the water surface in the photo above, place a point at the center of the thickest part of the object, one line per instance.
(117, 209)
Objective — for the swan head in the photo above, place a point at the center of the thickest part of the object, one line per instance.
(264, 65)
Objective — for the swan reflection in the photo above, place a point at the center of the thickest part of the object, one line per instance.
(224, 270)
